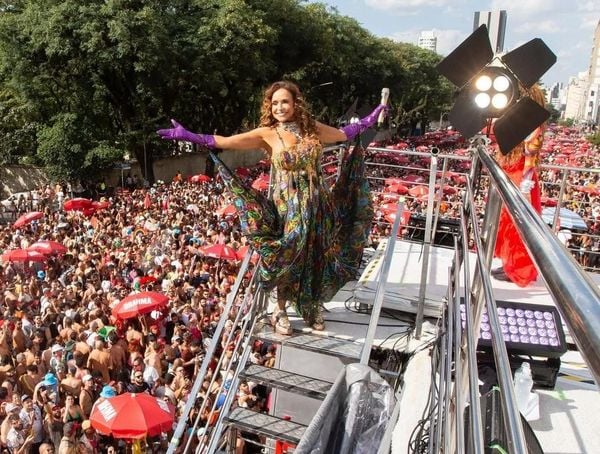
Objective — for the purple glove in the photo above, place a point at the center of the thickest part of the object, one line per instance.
(354, 129)
(178, 132)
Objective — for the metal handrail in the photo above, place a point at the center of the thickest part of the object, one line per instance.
(380, 291)
(576, 296)
(181, 424)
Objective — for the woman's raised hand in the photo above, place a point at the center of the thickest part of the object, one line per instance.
(178, 132)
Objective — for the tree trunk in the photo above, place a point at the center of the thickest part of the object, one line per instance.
(144, 154)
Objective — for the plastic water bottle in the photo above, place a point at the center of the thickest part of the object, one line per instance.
(523, 383)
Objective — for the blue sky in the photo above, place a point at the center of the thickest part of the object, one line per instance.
(566, 26)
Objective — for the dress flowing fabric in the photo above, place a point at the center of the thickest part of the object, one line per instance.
(516, 261)
(309, 237)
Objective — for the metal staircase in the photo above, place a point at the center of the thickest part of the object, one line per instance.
(295, 397)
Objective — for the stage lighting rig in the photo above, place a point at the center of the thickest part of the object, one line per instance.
(496, 87)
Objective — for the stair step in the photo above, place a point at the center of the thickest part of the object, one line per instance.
(318, 343)
(263, 424)
(289, 381)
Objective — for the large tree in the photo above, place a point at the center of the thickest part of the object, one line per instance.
(83, 82)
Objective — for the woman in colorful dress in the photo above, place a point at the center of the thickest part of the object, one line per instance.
(522, 167)
(310, 238)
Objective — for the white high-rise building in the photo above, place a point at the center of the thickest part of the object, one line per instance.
(428, 40)
(496, 24)
(591, 109)
(576, 95)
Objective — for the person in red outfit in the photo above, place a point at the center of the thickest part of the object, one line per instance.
(521, 166)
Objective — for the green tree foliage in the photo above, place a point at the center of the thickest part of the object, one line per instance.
(594, 139)
(82, 82)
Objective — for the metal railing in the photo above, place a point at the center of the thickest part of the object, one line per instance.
(576, 297)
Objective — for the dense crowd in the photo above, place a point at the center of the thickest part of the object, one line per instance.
(61, 349)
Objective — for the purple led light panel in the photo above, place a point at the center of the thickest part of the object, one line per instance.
(530, 328)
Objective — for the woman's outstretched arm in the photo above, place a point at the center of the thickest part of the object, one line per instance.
(250, 140)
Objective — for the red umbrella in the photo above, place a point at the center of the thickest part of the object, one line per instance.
(77, 204)
(548, 202)
(391, 217)
(330, 169)
(147, 280)
(27, 218)
(131, 415)
(397, 188)
(48, 247)
(417, 191)
(228, 210)
(219, 251)
(261, 183)
(241, 253)
(389, 207)
(449, 189)
(138, 304)
(200, 178)
(393, 180)
(23, 255)
(101, 205)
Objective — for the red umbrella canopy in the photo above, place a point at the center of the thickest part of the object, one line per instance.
(27, 218)
(417, 191)
(77, 204)
(228, 210)
(23, 255)
(389, 207)
(397, 188)
(414, 178)
(200, 178)
(393, 180)
(131, 415)
(449, 189)
(330, 169)
(219, 251)
(138, 304)
(391, 217)
(48, 247)
(101, 205)
(242, 251)
(548, 202)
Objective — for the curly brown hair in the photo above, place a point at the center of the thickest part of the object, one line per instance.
(301, 114)
(537, 94)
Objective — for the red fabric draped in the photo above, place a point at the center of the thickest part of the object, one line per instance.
(510, 248)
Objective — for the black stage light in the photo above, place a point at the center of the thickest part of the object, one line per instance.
(493, 87)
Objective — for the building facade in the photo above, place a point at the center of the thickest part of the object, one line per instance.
(496, 25)
(428, 40)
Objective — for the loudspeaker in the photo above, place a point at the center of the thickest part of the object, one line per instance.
(444, 234)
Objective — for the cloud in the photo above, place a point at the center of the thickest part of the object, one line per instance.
(543, 26)
(400, 5)
(526, 9)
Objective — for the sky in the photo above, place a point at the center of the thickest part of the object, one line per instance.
(566, 26)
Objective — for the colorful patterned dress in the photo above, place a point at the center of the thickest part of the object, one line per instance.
(310, 238)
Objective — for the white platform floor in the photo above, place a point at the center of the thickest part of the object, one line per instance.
(569, 422)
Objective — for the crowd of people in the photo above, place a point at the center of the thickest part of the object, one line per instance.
(61, 349)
